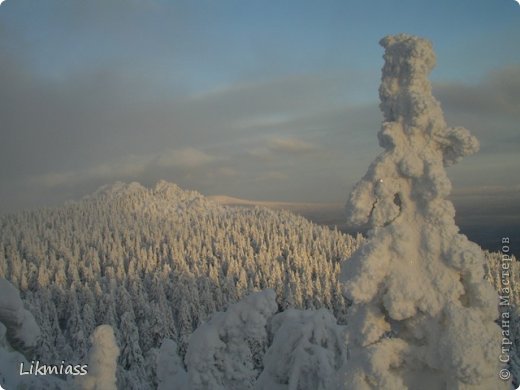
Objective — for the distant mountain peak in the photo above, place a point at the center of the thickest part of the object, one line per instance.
(162, 188)
(168, 189)
(116, 189)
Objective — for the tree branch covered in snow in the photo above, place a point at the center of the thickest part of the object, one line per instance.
(423, 315)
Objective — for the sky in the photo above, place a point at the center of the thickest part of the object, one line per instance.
(265, 100)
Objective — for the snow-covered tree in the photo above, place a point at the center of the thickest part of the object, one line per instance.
(102, 361)
(250, 346)
(21, 331)
(307, 352)
(423, 315)
(19, 334)
(170, 370)
(226, 352)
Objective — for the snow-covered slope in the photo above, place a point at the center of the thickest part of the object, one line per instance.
(154, 263)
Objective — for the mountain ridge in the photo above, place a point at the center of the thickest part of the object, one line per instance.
(154, 263)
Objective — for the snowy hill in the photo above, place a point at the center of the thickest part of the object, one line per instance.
(155, 263)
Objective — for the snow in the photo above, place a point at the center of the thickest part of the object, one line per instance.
(423, 316)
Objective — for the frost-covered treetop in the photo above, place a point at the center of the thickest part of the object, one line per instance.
(417, 284)
(417, 141)
(406, 97)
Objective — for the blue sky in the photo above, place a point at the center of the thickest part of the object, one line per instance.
(270, 100)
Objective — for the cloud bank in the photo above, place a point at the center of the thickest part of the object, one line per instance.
(137, 90)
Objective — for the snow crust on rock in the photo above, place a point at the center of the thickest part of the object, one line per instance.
(422, 314)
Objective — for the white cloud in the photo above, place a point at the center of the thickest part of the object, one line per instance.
(497, 94)
(491, 191)
(272, 175)
(262, 122)
(290, 145)
(129, 166)
(227, 172)
(187, 157)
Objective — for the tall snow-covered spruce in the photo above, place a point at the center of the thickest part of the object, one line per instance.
(422, 314)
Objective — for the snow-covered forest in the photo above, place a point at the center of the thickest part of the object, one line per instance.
(155, 263)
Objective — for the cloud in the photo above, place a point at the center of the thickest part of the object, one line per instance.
(52, 179)
(497, 94)
(129, 167)
(277, 97)
(107, 101)
(486, 214)
(187, 157)
(86, 118)
(132, 166)
(491, 191)
(490, 109)
(487, 204)
(268, 176)
(227, 172)
(277, 148)
(290, 145)
(262, 122)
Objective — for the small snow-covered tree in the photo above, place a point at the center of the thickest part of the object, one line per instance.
(423, 315)
(102, 361)
(170, 370)
(225, 352)
(131, 354)
(307, 351)
(22, 332)
(18, 335)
